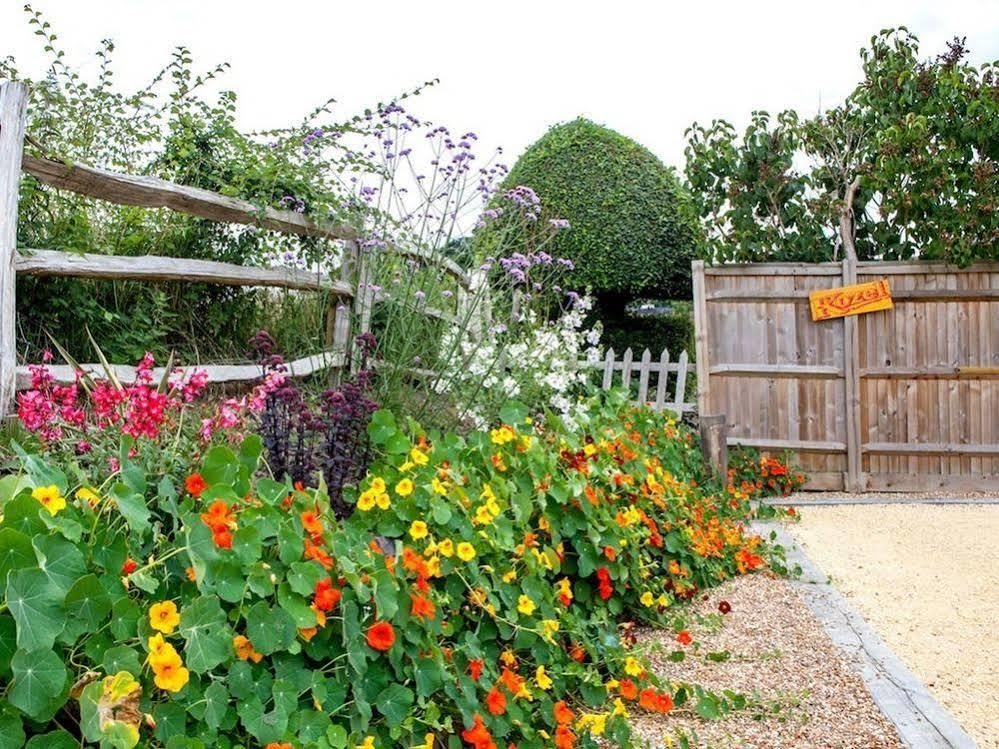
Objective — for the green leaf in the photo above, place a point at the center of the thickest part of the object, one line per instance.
(216, 704)
(303, 577)
(22, 514)
(8, 643)
(132, 507)
(121, 658)
(36, 607)
(60, 560)
(337, 736)
(220, 466)
(60, 739)
(88, 602)
(209, 639)
(247, 544)
(16, 552)
(382, 426)
(271, 491)
(386, 593)
(394, 703)
(11, 731)
(39, 677)
(40, 472)
(270, 630)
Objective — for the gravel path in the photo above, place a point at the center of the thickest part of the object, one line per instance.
(808, 697)
(926, 578)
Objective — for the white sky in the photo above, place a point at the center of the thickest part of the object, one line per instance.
(511, 69)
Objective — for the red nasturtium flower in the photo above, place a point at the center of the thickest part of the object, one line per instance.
(312, 523)
(496, 701)
(195, 484)
(326, 596)
(684, 637)
(423, 608)
(381, 636)
(562, 713)
(475, 667)
(478, 735)
(606, 587)
(628, 689)
(564, 738)
(129, 566)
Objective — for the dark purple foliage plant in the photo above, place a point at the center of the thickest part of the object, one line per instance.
(305, 437)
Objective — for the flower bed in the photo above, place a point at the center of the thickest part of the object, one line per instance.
(473, 598)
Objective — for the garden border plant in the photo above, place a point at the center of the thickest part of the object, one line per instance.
(473, 596)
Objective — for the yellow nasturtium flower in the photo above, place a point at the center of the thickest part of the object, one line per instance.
(647, 599)
(164, 617)
(418, 457)
(366, 501)
(88, 495)
(50, 498)
(404, 488)
(633, 668)
(446, 548)
(418, 530)
(466, 552)
(525, 605)
(378, 485)
(383, 501)
(543, 679)
(428, 742)
(368, 743)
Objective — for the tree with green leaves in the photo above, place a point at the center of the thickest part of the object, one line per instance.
(632, 227)
(907, 166)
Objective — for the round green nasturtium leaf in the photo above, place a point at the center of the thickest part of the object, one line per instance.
(216, 704)
(21, 514)
(394, 703)
(209, 639)
(39, 677)
(270, 630)
(60, 560)
(36, 607)
(54, 740)
(11, 731)
(16, 553)
(121, 658)
(132, 506)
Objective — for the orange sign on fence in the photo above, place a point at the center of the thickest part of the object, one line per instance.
(850, 300)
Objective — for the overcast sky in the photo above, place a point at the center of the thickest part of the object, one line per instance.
(509, 70)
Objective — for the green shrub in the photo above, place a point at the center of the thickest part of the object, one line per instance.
(632, 226)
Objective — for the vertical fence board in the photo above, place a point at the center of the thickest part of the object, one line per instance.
(643, 376)
(663, 381)
(626, 369)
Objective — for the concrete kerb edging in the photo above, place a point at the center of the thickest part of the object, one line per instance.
(921, 721)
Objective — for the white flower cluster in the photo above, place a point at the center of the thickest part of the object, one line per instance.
(540, 366)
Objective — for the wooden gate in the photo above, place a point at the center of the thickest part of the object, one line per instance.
(905, 399)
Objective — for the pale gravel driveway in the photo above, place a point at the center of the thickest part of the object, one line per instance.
(926, 578)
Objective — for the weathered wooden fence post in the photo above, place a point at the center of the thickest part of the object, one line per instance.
(338, 316)
(13, 115)
(714, 444)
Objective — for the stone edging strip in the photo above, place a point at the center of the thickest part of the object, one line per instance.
(921, 721)
(821, 501)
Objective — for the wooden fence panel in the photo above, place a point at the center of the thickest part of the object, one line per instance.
(901, 399)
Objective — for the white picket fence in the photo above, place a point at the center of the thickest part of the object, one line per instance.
(644, 369)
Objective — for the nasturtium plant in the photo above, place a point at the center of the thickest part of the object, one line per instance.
(471, 599)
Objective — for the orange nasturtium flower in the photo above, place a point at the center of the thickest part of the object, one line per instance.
(195, 484)
(496, 701)
(245, 650)
(381, 636)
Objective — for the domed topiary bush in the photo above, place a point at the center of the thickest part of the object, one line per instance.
(633, 230)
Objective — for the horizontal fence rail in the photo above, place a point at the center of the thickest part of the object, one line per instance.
(641, 372)
(160, 268)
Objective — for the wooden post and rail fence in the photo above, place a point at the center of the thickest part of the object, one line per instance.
(351, 289)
